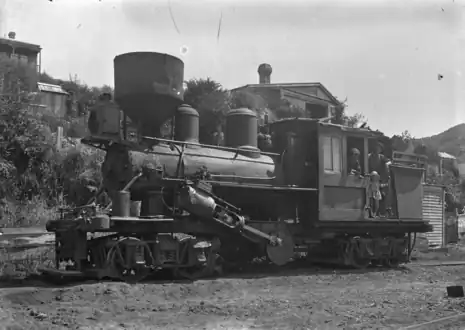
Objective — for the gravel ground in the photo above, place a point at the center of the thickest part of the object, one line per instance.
(376, 300)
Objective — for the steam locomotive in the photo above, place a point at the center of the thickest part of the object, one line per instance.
(190, 208)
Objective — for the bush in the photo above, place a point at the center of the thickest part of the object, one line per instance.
(35, 177)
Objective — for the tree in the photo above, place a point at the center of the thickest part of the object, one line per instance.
(26, 143)
(32, 171)
(342, 118)
(355, 120)
(247, 99)
(211, 100)
(47, 79)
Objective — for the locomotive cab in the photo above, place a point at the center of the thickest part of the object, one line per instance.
(318, 155)
(343, 192)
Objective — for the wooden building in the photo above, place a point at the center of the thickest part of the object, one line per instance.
(24, 53)
(312, 96)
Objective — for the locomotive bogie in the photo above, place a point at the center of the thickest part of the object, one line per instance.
(133, 257)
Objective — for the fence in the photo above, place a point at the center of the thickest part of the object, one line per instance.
(20, 239)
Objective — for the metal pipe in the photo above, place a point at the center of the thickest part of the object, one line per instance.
(249, 160)
(130, 183)
(126, 188)
(205, 145)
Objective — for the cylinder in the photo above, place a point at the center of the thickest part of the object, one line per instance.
(186, 124)
(121, 204)
(241, 129)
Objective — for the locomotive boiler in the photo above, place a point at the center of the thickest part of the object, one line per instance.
(181, 205)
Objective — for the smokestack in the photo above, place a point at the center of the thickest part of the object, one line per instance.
(264, 72)
(12, 35)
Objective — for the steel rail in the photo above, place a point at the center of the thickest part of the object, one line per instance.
(436, 322)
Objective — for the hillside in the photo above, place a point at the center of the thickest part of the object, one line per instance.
(451, 141)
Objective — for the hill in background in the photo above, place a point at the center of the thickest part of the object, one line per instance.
(451, 141)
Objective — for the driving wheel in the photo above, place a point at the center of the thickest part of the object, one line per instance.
(127, 260)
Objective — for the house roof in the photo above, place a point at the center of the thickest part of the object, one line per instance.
(365, 131)
(290, 85)
(49, 88)
(20, 44)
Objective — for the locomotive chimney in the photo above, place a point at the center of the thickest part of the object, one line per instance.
(264, 72)
(12, 35)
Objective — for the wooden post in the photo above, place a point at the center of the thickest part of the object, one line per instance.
(59, 137)
(125, 125)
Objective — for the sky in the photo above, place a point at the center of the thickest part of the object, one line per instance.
(384, 56)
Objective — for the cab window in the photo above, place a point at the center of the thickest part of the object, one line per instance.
(332, 153)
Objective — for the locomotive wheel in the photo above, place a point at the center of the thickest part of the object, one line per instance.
(128, 272)
(197, 272)
(391, 262)
(353, 257)
(360, 262)
(281, 254)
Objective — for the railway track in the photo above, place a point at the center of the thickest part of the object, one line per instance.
(260, 270)
(456, 321)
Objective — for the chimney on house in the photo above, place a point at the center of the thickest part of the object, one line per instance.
(12, 35)
(264, 72)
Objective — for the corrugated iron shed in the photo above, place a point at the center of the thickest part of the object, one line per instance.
(433, 211)
(49, 88)
(445, 155)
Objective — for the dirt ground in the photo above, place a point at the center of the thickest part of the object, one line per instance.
(292, 300)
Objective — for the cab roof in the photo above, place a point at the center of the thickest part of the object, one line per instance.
(349, 130)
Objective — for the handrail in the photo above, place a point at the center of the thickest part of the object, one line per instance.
(206, 145)
(410, 158)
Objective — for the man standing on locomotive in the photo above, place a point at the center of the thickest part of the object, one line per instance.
(354, 162)
(379, 163)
